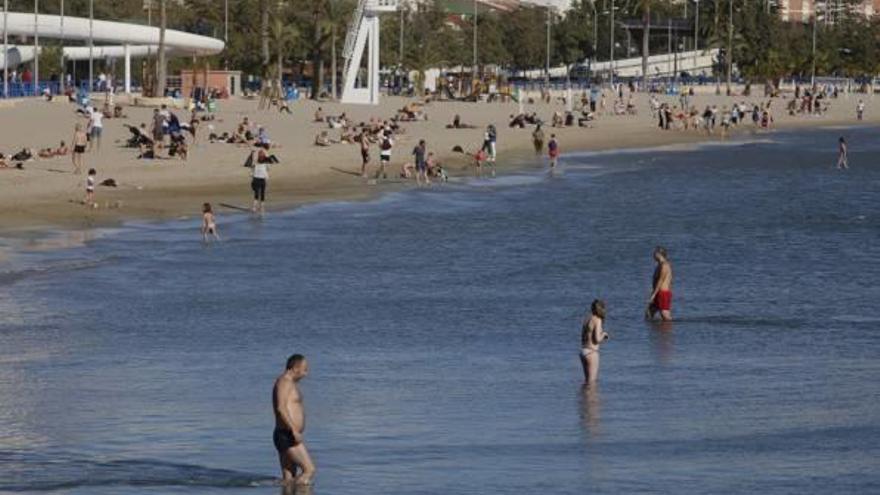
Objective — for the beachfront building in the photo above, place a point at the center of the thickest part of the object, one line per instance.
(829, 10)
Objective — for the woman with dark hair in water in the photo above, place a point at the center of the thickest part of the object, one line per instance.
(592, 335)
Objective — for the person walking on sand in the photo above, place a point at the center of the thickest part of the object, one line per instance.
(538, 139)
(209, 223)
(842, 162)
(259, 179)
(385, 154)
(860, 110)
(96, 128)
(365, 153)
(80, 140)
(420, 153)
(290, 422)
(592, 335)
(553, 151)
(661, 295)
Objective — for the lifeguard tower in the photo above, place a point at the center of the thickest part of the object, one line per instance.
(363, 36)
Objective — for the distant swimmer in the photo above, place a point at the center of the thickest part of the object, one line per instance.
(290, 422)
(661, 295)
(592, 335)
(842, 162)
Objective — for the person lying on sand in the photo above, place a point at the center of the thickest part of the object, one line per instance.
(61, 150)
(518, 121)
(26, 154)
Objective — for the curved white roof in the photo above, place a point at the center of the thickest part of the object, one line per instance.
(77, 28)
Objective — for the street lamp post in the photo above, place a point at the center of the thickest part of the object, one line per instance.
(696, 31)
(729, 45)
(91, 43)
(611, 48)
(5, 51)
(61, 76)
(813, 70)
(595, 28)
(547, 60)
(474, 68)
(36, 47)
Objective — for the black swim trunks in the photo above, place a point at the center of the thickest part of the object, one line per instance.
(79, 148)
(283, 440)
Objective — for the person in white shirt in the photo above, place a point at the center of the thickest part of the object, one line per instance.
(96, 127)
(259, 178)
(385, 154)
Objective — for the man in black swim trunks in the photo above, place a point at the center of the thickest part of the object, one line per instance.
(290, 422)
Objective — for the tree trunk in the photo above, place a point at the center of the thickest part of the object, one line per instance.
(646, 35)
(716, 34)
(162, 65)
(333, 62)
(729, 47)
(280, 67)
(317, 63)
(264, 39)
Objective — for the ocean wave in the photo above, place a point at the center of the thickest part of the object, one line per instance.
(31, 471)
(8, 277)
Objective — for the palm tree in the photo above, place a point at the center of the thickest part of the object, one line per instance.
(162, 65)
(284, 35)
(336, 13)
(264, 40)
(645, 7)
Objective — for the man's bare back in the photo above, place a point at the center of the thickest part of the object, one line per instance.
(290, 421)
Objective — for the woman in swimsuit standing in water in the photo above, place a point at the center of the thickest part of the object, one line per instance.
(592, 335)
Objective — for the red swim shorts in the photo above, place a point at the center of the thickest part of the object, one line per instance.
(663, 300)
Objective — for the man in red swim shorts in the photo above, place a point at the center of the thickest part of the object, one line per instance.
(661, 296)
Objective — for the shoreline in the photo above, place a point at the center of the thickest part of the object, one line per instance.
(34, 224)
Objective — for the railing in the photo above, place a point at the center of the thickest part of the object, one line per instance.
(382, 5)
(26, 90)
(351, 36)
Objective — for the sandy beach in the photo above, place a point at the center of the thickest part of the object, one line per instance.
(46, 194)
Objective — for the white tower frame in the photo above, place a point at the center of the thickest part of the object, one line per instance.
(363, 35)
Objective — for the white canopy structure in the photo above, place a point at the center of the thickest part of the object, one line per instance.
(128, 39)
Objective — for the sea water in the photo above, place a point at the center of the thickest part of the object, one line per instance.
(442, 327)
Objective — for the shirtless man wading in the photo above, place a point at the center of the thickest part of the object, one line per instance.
(661, 295)
(290, 421)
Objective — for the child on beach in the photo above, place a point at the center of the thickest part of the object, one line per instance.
(553, 151)
(209, 223)
(90, 189)
(479, 160)
(592, 335)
